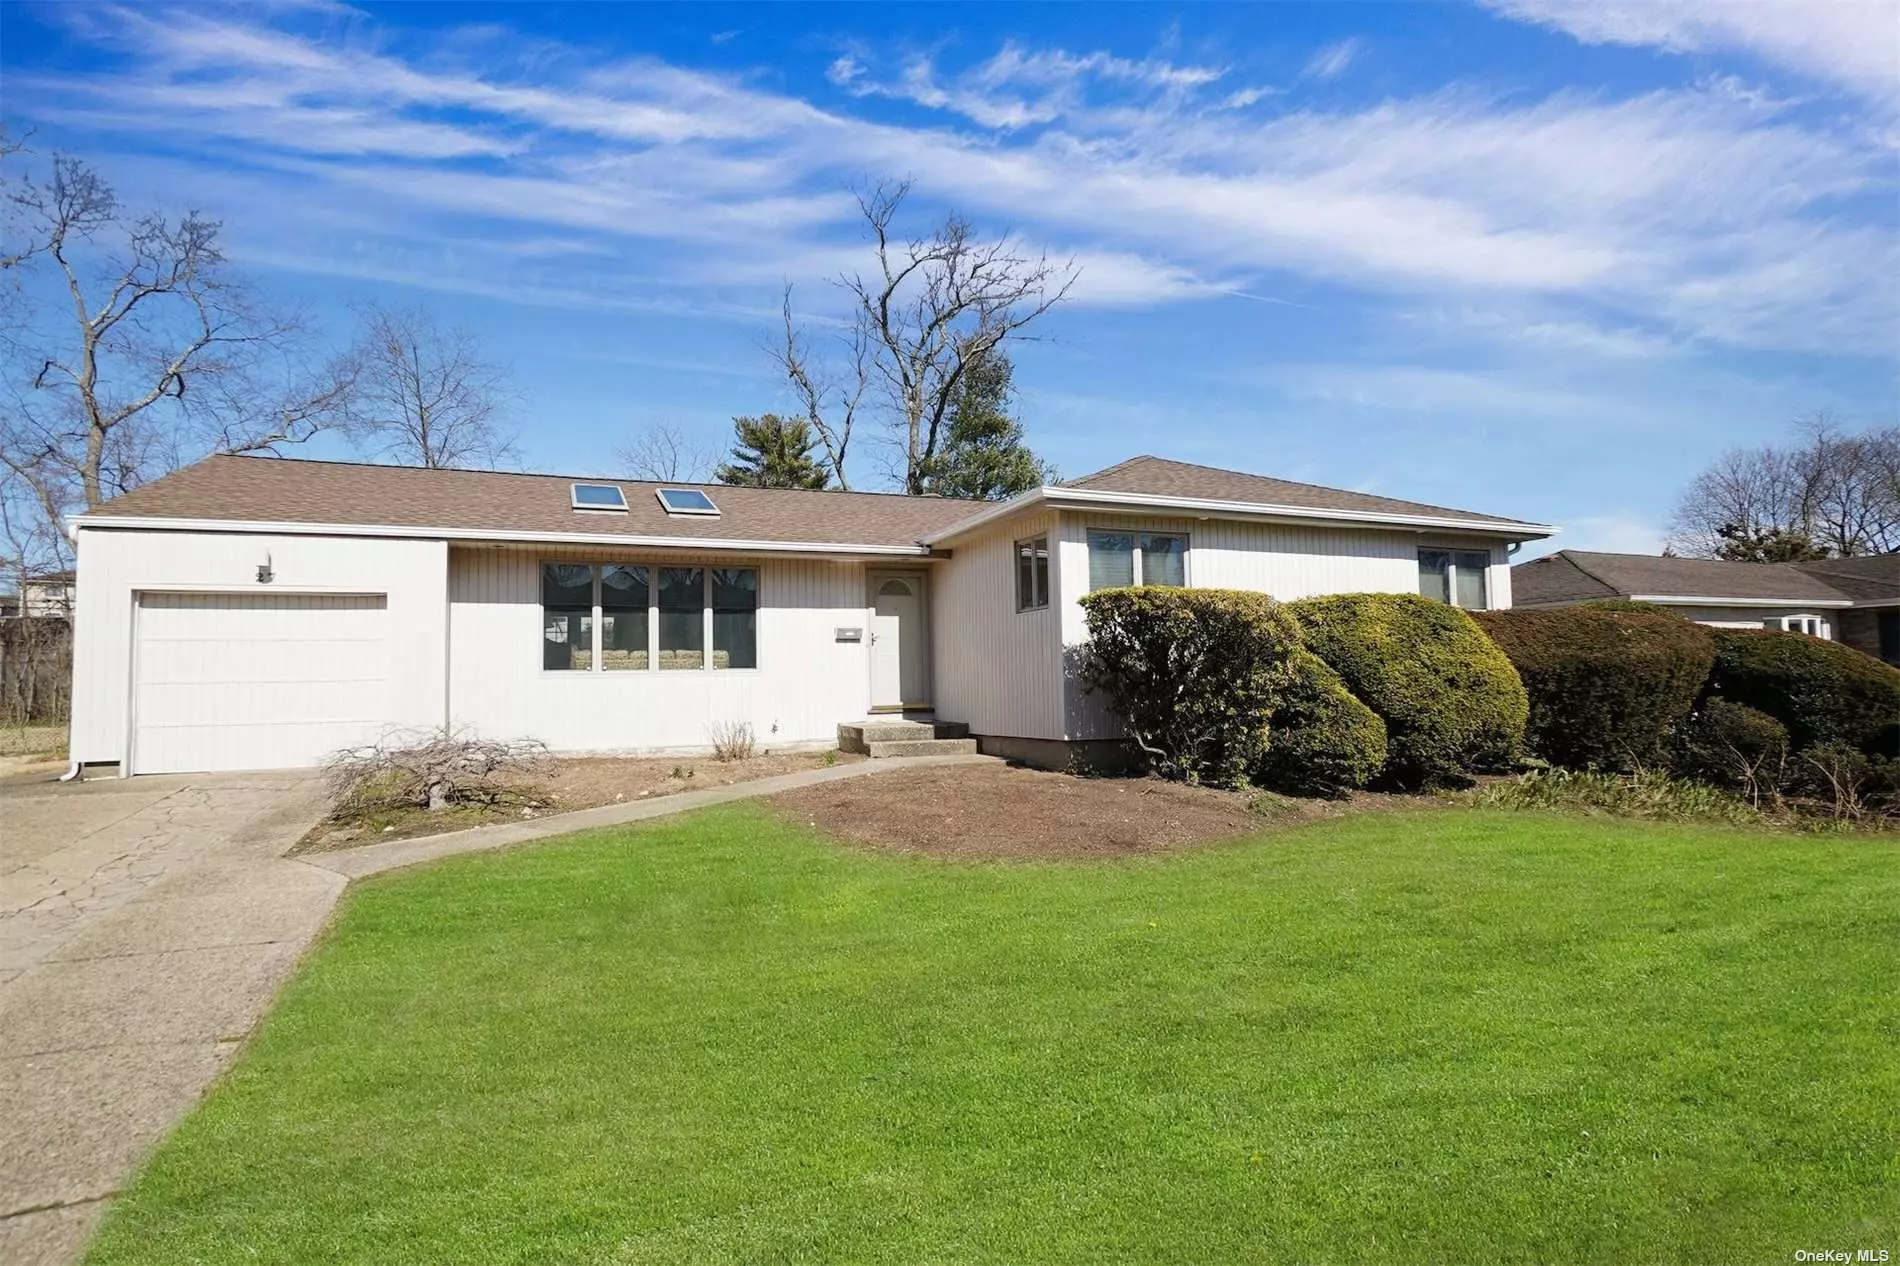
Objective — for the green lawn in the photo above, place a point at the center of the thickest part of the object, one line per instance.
(1456, 1036)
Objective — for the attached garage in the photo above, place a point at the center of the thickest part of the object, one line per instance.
(227, 681)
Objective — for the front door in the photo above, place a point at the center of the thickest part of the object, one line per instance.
(900, 641)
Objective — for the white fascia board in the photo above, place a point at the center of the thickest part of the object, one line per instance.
(1142, 503)
(697, 543)
(1680, 600)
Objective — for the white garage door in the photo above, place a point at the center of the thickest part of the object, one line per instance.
(256, 681)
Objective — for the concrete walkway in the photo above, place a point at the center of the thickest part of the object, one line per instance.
(145, 927)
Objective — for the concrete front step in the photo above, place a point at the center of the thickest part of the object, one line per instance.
(921, 747)
(862, 736)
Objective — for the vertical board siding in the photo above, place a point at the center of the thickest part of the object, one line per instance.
(117, 566)
(998, 670)
(806, 682)
(1284, 560)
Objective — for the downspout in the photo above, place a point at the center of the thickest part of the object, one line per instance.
(72, 534)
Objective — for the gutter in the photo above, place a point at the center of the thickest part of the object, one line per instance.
(1137, 503)
(1682, 600)
(127, 522)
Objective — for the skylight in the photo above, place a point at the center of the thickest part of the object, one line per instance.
(599, 497)
(686, 501)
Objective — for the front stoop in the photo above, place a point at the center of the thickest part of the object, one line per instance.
(906, 738)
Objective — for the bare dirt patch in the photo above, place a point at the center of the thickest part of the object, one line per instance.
(995, 811)
(580, 782)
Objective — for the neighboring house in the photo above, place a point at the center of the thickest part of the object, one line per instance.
(50, 594)
(257, 612)
(1852, 600)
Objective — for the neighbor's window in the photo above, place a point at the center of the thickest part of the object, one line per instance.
(1455, 576)
(614, 616)
(1032, 574)
(735, 607)
(623, 618)
(682, 617)
(1136, 558)
(567, 616)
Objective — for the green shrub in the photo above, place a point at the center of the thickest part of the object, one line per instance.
(1321, 741)
(1647, 795)
(1733, 745)
(1609, 685)
(1450, 700)
(1822, 691)
(1193, 673)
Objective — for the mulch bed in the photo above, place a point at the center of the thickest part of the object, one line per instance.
(578, 782)
(976, 812)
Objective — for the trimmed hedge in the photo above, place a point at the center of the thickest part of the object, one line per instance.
(1450, 700)
(1193, 673)
(1609, 685)
(1822, 691)
(1733, 745)
(1320, 740)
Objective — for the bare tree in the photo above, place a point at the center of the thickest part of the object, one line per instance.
(666, 453)
(427, 395)
(140, 351)
(1834, 492)
(934, 307)
(830, 398)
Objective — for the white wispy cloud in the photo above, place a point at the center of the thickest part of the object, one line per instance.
(1694, 214)
(1332, 59)
(1853, 44)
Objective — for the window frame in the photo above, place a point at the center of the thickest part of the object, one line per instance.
(1452, 571)
(707, 624)
(1808, 624)
(1137, 569)
(1039, 553)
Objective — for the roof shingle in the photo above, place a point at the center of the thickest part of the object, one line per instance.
(1158, 476)
(1560, 577)
(281, 490)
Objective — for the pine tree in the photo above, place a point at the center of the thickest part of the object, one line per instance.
(984, 455)
(772, 452)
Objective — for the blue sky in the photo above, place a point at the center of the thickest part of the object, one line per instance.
(1534, 257)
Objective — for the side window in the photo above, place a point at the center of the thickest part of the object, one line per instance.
(1032, 574)
(1461, 577)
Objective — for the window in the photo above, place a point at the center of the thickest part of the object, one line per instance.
(567, 617)
(1887, 630)
(682, 617)
(1455, 576)
(1136, 558)
(623, 618)
(1809, 624)
(735, 608)
(686, 501)
(599, 497)
(632, 617)
(1032, 574)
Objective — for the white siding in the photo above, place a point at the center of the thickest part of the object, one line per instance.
(806, 682)
(115, 566)
(1282, 560)
(998, 670)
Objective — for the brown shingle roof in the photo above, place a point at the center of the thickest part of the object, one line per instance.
(1875, 578)
(1158, 476)
(1563, 577)
(281, 490)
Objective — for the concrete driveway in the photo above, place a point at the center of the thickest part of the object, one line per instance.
(145, 925)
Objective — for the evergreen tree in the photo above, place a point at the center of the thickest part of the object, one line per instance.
(984, 455)
(772, 452)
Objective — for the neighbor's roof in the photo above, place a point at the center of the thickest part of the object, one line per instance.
(275, 490)
(1579, 576)
(1874, 578)
(1160, 477)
